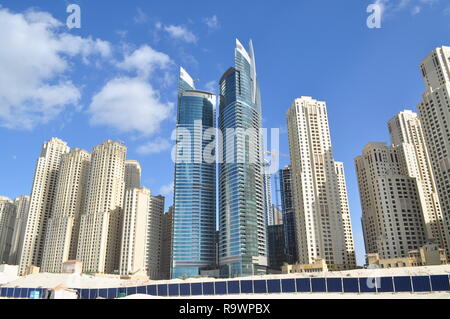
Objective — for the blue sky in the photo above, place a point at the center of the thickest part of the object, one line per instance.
(115, 78)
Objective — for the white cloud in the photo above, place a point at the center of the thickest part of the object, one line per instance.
(144, 61)
(390, 7)
(141, 17)
(155, 146)
(167, 189)
(212, 22)
(211, 86)
(34, 58)
(129, 105)
(178, 32)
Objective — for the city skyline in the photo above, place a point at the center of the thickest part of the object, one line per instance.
(73, 126)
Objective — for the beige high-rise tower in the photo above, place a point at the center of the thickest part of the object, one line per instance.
(7, 221)
(406, 132)
(134, 232)
(392, 215)
(154, 238)
(434, 113)
(64, 224)
(22, 204)
(132, 174)
(323, 224)
(101, 224)
(41, 203)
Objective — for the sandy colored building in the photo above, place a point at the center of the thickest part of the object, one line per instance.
(319, 265)
(406, 132)
(154, 237)
(434, 112)
(7, 221)
(22, 204)
(41, 203)
(428, 255)
(135, 231)
(101, 223)
(323, 227)
(64, 225)
(392, 215)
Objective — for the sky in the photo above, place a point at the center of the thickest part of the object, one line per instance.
(115, 77)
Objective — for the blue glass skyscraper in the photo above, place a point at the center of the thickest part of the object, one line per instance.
(242, 238)
(194, 219)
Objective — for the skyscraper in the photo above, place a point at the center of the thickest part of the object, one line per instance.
(194, 220)
(7, 221)
(41, 203)
(154, 237)
(392, 213)
(267, 187)
(242, 247)
(166, 243)
(320, 198)
(22, 204)
(135, 231)
(101, 224)
(406, 132)
(287, 207)
(434, 112)
(64, 224)
(132, 174)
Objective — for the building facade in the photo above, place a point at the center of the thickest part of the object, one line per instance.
(242, 239)
(7, 222)
(275, 234)
(64, 224)
(166, 243)
(320, 198)
(194, 217)
(434, 112)
(392, 212)
(154, 237)
(41, 203)
(406, 132)
(132, 174)
(267, 187)
(22, 204)
(287, 207)
(101, 223)
(135, 231)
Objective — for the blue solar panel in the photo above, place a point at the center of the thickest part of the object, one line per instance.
(288, 285)
(334, 285)
(185, 290)
(151, 290)
(112, 293)
(208, 288)
(17, 292)
(24, 293)
(402, 284)
(162, 290)
(103, 293)
(196, 289)
(93, 294)
(303, 285)
(384, 284)
(421, 283)
(318, 285)
(350, 284)
(246, 286)
(10, 293)
(84, 293)
(440, 283)
(131, 291)
(220, 288)
(233, 287)
(121, 291)
(3, 292)
(273, 286)
(141, 290)
(367, 284)
(260, 286)
(173, 290)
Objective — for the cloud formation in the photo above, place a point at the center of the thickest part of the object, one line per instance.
(155, 146)
(390, 7)
(178, 32)
(34, 59)
(212, 22)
